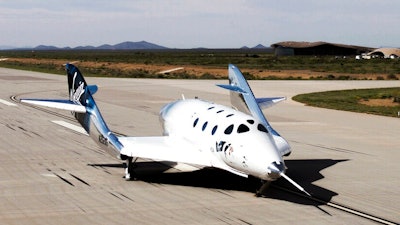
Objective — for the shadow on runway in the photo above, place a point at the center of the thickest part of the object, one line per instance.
(304, 172)
(110, 165)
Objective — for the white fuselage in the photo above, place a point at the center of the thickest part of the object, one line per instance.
(234, 138)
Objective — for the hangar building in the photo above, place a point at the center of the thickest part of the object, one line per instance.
(386, 53)
(317, 48)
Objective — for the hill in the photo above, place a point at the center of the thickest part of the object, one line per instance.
(127, 45)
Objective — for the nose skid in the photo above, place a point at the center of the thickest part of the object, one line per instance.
(275, 170)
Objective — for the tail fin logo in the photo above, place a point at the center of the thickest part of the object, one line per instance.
(78, 92)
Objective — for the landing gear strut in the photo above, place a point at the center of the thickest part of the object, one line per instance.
(129, 174)
(264, 186)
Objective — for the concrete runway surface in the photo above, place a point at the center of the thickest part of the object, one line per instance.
(50, 174)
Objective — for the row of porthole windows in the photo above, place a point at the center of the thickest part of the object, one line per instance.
(220, 111)
(242, 128)
(205, 126)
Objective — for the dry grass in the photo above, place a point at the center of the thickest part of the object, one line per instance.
(388, 102)
(198, 70)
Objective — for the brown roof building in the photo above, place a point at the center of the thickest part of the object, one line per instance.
(386, 52)
(317, 48)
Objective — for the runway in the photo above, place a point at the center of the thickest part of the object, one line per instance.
(51, 173)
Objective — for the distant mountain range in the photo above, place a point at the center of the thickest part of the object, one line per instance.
(127, 45)
(259, 46)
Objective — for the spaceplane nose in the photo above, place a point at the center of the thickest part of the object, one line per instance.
(275, 169)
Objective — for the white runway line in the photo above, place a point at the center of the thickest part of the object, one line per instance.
(7, 103)
(70, 126)
(48, 175)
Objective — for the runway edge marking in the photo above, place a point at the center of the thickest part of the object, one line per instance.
(70, 126)
(7, 103)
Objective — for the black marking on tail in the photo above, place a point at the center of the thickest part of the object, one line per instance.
(76, 84)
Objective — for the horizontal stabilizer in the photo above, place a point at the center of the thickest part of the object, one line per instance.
(57, 104)
(232, 88)
(92, 89)
(268, 102)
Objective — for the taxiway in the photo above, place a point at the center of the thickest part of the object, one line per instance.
(51, 173)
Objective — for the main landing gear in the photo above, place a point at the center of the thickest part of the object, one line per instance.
(129, 173)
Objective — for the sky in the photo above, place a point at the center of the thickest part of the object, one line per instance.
(198, 23)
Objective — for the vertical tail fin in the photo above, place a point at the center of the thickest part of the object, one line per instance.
(78, 94)
(242, 98)
(84, 109)
(76, 85)
(81, 93)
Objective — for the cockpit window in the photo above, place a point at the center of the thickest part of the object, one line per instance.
(211, 107)
(220, 111)
(261, 128)
(214, 129)
(250, 121)
(229, 129)
(229, 115)
(242, 128)
(195, 122)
